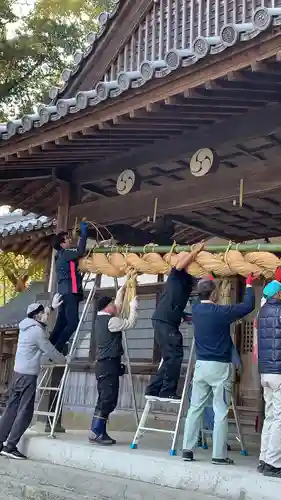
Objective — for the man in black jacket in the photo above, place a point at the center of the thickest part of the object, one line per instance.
(69, 281)
(166, 321)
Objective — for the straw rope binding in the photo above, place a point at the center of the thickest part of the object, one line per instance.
(231, 263)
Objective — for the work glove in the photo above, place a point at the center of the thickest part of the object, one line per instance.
(134, 303)
(83, 228)
(277, 274)
(251, 278)
(57, 301)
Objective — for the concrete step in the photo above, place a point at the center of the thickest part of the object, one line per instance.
(33, 480)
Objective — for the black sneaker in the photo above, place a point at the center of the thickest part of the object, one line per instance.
(261, 466)
(15, 453)
(170, 397)
(151, 396)
(222, 461)
(187, 455)
(271, 471)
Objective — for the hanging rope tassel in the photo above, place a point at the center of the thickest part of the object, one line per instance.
(130, 293)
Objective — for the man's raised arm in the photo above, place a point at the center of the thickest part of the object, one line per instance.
(76, 253)
(185, 259)
(119, 324)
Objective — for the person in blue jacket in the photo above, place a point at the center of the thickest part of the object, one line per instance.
(269, 360)
(213, 368)
(69, 283)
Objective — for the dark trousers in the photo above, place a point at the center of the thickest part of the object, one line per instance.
(107, 375)
(169, 340)
(67, 321)
(19, 409)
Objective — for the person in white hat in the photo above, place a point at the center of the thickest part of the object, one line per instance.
(33, 343)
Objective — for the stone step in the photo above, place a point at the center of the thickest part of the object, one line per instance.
(33, 480)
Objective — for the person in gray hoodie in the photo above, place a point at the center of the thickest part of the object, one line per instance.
(33, 346)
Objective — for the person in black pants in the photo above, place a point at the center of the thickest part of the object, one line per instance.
(108, 334)
(166, 321)
(69, 281)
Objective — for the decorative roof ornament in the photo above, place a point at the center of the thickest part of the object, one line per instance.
(148, 68)
(64, 105)
(232, 33)
(103, 89)
(264, 17)
(125, 78)
(175, 57)
(202, 45)
(84, 98)
(203, 162)
(46, 113)
(28, 121)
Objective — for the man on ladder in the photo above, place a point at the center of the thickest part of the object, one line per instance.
(69, 281)
(109, 350)
(166, 321)
(213, 369)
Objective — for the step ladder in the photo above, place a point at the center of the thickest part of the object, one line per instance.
(182, 405)
(45, 384)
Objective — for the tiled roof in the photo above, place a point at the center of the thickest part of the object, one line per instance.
(16, 223)
(15, 310)
(263, 18)
(80, 57)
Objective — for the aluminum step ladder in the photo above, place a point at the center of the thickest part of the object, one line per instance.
(182, 405)
(44, 384)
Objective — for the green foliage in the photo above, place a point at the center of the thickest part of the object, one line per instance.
(35, 45)
(16, 272)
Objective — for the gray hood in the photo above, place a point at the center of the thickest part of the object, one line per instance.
(28, 323)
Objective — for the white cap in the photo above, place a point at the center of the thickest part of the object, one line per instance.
(34, 308)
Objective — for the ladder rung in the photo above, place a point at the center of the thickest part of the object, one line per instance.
(52, 365)
(152, 429)
(48, 388)
(45, 413)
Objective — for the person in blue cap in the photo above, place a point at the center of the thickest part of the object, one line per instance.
(269, 360)
(69, 281)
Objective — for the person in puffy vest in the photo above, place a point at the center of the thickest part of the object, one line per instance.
(69, 281)
(269, 362)
(109, 350)
(33, 346)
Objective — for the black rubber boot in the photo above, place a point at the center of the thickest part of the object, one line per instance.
(106, 436)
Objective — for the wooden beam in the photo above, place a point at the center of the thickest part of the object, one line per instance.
(255, 123)
(214, 67)
(63, 208)
(184, 195)
(24, 174)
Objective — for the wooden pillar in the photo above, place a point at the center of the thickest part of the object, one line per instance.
(48, 401)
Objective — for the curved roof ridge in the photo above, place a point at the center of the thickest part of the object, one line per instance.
(263, 18)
